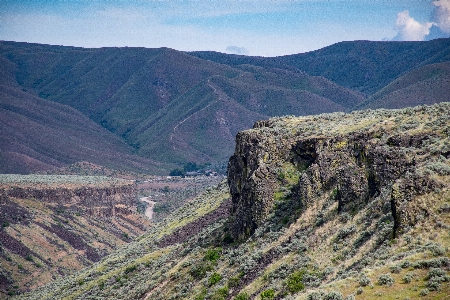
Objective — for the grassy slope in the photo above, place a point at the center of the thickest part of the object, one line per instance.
(38, 134)
(360, 65)
(425, 85)
(293, 253)
(143, 94)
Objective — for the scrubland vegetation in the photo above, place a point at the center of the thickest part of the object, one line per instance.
(326, 249)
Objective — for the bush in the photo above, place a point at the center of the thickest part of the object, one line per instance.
(221, 294)
(345, 232)
(424, 292)
(212, 254)
(234, 281)
(199, 271)
(432, 263)
(268, 294)
(436, 272)
(130, 269)
(242, 296)
(435, 277)
(408, 277)
(176, 172)
(396, 269)
(434, 284)
(385, 279)
(315, 296)
(364, 280)
(215, 278)
(333, 296)
(295, 282)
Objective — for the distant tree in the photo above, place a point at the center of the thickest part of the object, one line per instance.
(176, 172)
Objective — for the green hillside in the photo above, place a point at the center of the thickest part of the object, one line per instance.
(153, 98)
(364, 66)
(425, 85)
(172, 107)
(39, 135)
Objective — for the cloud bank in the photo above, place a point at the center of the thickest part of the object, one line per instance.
(408, 29)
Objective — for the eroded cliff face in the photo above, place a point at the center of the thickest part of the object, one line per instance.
(55, 225)
(393, 155)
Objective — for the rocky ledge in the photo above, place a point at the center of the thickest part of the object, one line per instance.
(391, 154)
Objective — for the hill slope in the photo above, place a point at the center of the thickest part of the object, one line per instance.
(38, 134)
(129, 90)
(175, 107)
(425, 85)
(321, 207)
(364, 66)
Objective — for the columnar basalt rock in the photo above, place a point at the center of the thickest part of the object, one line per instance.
(353, 156)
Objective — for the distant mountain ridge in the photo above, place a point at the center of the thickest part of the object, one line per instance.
(174, 107)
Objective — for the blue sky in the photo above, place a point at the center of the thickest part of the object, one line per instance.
(266, 28)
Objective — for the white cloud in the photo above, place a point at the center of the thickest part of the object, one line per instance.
(409, 29)
(441, 15)
(237, 50)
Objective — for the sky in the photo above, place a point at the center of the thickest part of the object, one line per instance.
(248, 27)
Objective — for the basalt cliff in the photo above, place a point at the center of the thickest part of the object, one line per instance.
(355, 158)
(332, 206)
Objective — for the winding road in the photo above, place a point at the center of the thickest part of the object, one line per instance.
(149, 209)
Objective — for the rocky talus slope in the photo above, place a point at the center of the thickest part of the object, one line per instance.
(334, 206)
(53, 226)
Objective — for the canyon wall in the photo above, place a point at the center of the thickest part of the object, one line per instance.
(391, 154)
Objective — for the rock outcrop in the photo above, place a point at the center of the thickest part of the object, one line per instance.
(354, 157)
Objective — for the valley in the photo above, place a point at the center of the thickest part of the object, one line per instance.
(137, 173)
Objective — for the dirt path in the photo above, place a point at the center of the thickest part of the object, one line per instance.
(149, 209)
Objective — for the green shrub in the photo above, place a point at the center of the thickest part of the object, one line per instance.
(364, 280)
(201, 295)
(199, 271)
(268, 294)
(242, 296)
(432, 263)
(212, 254)
(215, 278)
(234, 281)
(221, 294)
(333, 296)
(424, 292)
(101, 284)
(435, 277)
(295, 282)
(408, 277)
(395, 269)
(385, 279)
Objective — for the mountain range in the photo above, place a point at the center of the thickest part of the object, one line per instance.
(152, 110)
